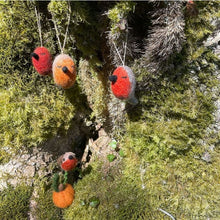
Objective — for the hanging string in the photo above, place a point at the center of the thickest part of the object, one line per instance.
(67, 27)
(57, 34)
(66, 33)
(38, 25)
(118, 52)
(126, 40)
(125, 49)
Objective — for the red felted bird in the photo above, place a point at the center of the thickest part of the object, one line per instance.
(67, 161)
(42, 61)
(123, 84)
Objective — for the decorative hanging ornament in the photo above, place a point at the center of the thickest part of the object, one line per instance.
(64, 69)
(67, 161)
(41, 57)
(123, 84)
(123, 80)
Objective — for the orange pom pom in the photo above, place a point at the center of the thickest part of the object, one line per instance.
(64, 198)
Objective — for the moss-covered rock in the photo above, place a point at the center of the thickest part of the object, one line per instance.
(14, 202)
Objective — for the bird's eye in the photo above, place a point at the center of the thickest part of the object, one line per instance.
(63, 159)
(124, 77)
(42, 53)
(59, 66)
(71, 157)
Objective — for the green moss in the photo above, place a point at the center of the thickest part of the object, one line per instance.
(93, 86)
(117, 197)
(30, 117)
(199, 27)
(83, 25)
(119, 12)
(14, 202)
(45, 208)
(177, 187)
(32, 107)
(166, 133)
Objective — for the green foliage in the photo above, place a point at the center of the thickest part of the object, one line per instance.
(121, 153)
(111, 157)
(55, 182)
(32, 108)
(119, 12)
(94, 202)
(113, 144)
(14, 202)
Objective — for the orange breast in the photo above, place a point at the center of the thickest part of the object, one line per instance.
(64, 71)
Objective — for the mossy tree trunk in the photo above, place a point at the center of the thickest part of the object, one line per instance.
(167, 145)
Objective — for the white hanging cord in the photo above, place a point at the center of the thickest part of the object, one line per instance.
(126, 40)
(57, 34)
(38, 25)
(118, 52)
(166, 213)
(67, 28)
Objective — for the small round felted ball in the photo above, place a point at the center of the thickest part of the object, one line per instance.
(123, 84)
(64, 198)
(42, 61)
(64, 71)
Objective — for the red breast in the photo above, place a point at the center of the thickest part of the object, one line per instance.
(120, 83)
(41, 59)
(69, 164)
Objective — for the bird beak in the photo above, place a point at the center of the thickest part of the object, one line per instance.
(113, 78)
(35, 56)
(65, 69)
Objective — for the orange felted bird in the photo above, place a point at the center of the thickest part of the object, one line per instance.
(64, 71)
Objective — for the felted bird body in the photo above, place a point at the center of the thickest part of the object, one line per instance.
(68, 161)
(64, 71)
(123, 84)
(42, 61)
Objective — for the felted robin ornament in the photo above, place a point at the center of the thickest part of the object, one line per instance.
(64, 71)
(123, 84)
(67, 161)
(42, 61)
